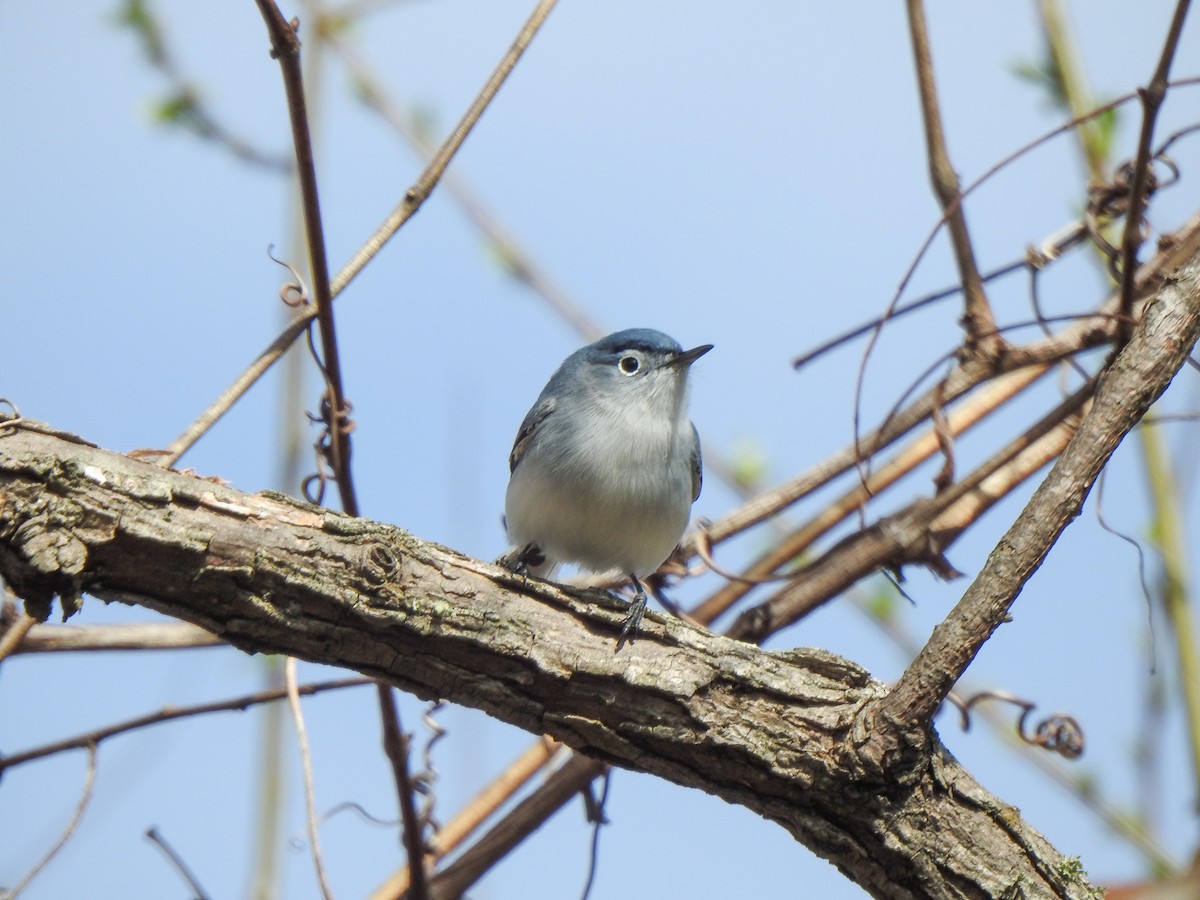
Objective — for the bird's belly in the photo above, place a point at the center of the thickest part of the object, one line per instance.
(630, 526)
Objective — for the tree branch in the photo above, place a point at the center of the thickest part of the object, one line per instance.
(1152, 98)
(1169, 328)
(285, 47)
(412, 201)
(769, 731)
(980, 324)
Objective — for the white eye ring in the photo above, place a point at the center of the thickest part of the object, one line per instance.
(629, 365)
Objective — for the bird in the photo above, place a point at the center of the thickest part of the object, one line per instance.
(606, 464)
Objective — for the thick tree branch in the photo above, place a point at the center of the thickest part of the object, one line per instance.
(774, 732)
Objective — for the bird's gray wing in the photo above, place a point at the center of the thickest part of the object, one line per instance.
(534, 418)
(697, 465)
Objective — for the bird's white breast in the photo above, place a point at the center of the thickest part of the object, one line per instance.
(620, 500)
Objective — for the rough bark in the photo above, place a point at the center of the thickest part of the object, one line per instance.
(774, 732)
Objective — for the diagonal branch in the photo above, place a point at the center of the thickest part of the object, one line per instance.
(1158, 349)
(412, 201)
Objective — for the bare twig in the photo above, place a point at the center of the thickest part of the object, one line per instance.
(1070, 236)
(870, 442)
(306, 769)
(285, 47)
(244, 381)
(395, 745)
(1173, 590)
(515, 260)
(414, 197)
(1163, 490)
(475, 813)
(169, 714)
(962, 380)
(1152, 97)
(978, 320)
(185, 872)
(13, 636)
(796, 542)
(920, 532)
(531, 812)
(1165, 336)
(597, 818)
(420, 191)
(139, 636)
(85, 798)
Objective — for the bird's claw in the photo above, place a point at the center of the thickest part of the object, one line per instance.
(633, 621)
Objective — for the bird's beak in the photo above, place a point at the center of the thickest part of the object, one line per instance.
(687, 357)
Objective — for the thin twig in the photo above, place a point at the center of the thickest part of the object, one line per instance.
(420, 191)
(185, 872)
(395, 746)
(285, 47)
(919, 532)
(414, 197)
(244, 381)
(169, 714)
(785, 551)
(1162, 485)
(306, 770)
(598, 820)
(987, 175)
(475, 813)
(135, 636)
(1169, 537)
(1073, 235)
(962, 380)
(515, 260)
(88, 784)
(978, 320)
(566, 783)
(1166, 334)
(1152, 98)
(14, 635)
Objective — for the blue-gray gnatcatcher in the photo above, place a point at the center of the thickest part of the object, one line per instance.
(606, 464)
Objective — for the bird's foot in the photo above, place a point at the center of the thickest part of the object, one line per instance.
(520, 560)
(633, 621)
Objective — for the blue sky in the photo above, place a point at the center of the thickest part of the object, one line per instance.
(747, 175)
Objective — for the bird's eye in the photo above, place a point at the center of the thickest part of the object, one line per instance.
(629, 364)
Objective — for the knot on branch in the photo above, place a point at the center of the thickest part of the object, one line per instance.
(379, 564)
(881, 750)
(41, 559)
